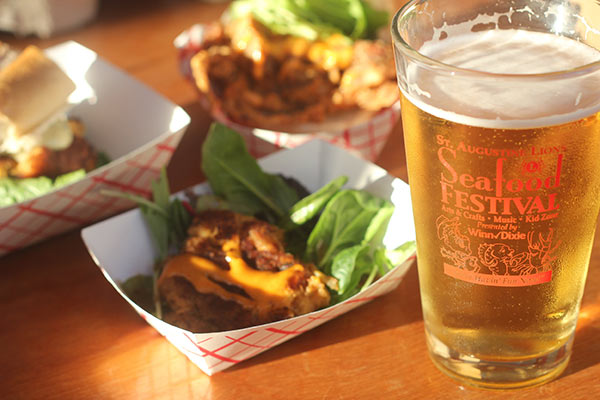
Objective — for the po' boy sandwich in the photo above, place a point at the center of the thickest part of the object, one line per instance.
(36, 136)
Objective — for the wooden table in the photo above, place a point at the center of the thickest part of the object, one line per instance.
(65, 333)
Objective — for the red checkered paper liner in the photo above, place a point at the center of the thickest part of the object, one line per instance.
(81, 203)
(110, 243)
(214, 352)
(127, 120)
(365, 139)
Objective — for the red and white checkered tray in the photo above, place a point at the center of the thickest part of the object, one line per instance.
(136, 127)
(361, 133)
(122, 247)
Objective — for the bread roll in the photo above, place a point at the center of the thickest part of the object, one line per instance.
(32, 88)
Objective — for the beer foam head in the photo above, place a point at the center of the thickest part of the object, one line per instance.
(486, 91)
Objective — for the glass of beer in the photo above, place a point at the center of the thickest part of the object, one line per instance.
(501, 117)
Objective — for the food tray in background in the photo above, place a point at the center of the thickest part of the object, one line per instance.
(360, 133)
(134, 126)
(110, 242)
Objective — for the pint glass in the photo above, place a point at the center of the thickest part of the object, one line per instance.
(501, 117)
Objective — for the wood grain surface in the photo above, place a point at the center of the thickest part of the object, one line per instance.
(66, 334)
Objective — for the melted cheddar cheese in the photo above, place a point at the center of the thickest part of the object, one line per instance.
(265, 290)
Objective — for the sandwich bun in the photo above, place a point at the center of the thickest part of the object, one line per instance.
(22, 101)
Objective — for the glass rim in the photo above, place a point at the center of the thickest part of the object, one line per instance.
(432, 64)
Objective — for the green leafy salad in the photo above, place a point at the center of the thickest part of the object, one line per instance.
(16, 190)
(339, 230)
(313, 19)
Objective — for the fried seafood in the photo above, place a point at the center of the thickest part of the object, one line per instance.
(42, 161)
(234, 272)
(261, 79)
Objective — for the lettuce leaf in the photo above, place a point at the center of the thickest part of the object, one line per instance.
(314, 19)
(234, 175)
(14, 190)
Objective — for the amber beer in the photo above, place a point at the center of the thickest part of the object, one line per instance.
(505, 184)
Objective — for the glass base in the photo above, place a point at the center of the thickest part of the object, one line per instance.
(495, 374)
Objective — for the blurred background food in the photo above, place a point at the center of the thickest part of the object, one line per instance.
(271, 64)
(44, 18)
(40, 146)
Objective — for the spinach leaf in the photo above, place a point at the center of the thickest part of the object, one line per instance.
(179, 220)
(312, 204)
(302, 216)
(379, 223)
(350, 217)
(343, 266)
(398, 255)
(236, 176)
(167, 218)
(168, 221)
(210, 202)
(355, 268)
(161, 191)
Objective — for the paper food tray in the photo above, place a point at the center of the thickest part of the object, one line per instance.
(136, 127)
(121, 247)
(360, 133)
